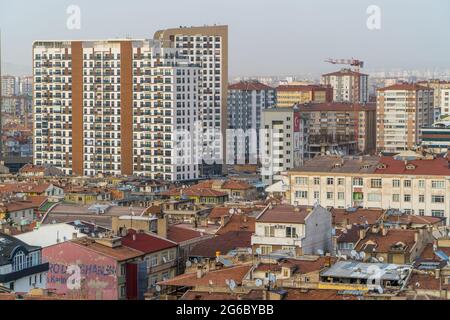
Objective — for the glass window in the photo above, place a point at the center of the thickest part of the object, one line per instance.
(303, 181)
(329, 195)
(358, 182)
(437, 213)
(269, 231)
(396, 183)
(407, 197)
(407, 183)
(395, 197)
(341, 196)
(291, 232)
(316, 181)
(375, 183)
(330, 181)
(340, 181)
(421, 198)
(421, 183)
(437, 199)
(437, 184)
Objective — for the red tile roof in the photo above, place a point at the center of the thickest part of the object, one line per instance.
(433, 167)
(177, 234)
(344, 72)
(145, 242)
(404, 87)
(238, 222)
(216, 277)
(194, 192)
(236, 185)
(248, 86)
(223, 243)
(383, 244)
(284, 214)
(360, 216)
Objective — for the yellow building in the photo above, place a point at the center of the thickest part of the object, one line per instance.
(289, 95)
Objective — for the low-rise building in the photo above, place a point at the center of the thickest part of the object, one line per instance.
(21, 265)
(299, 230)
(291, 94)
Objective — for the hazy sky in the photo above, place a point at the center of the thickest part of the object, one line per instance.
(276, 37)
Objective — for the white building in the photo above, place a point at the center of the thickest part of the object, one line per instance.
(402, 109)
(348, 86)
(112, 108)
(283, 142)
(9, 86)
(407, 182)
(299, 230)
(21, 265)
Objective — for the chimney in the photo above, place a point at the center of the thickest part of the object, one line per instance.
(74, 235)
(245, 218)
(437, 274)
(384, 231)
(134, 237)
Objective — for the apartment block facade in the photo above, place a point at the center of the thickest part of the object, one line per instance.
(246, 101)
(284, 142)
(112, 108)
(408, 182)
(348, 86)
(402, 109)
(341, 128)
(441, 95)
(207, 46)
(291, 94)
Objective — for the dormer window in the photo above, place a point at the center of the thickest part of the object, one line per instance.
(410, 166)
(381, 166)
(365, 166)
(337, 165)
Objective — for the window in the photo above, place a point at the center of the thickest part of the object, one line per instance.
(153, 261)
(301, 194)
(374, 197)
(421, 212)
(341, 196)
(396, 183)
(395, 198)
(358, 182)
(153, 281)
(330, 181)
(317, 181)
(269, 231)
(316, 195)
(407, 198)
(329, 195)
(340, 181)
(407, 183)
(437, 199)
(303, 181)
(291, 232)
(437, 184)
(437, 213)
(421, 198)
(266, 249)
(421, 183)
(375, 183)
(122, 291)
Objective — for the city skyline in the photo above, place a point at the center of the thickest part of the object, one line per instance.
(268, 31)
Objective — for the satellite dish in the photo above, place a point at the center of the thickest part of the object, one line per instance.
(249, 250)
(320, 252)
(258, 250)
(381, 259)
(195, 260)
(258, 282)
(353, 253)
(188, 264)
(362, 255)
(211, 283)
(232, 284)
(158, 288)
(231, 211)
(272, 277)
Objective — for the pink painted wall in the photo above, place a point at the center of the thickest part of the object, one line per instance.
(98, 273)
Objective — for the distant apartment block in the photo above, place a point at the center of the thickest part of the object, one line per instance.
(348, 86)
(9, 86)
(112, 108)
(402, 109)
(284, 142)
(340, 128)
(291, 94)
(436, 138)
(207, 47)
(441, 95)
(246, 101)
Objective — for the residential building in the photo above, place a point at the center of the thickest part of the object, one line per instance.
(409, 183)
(21, 265)
(436, 138)
(25, 84)
(348, 86)
(341, 128)
(9, 87)
(283, 142)
(441, 91)
(114, 107)
(198, 194)
(207, 46)
(299, 230)
(246, 101)
(290, 94)
(402, 109)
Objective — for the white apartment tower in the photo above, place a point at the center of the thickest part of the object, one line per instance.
(207, 46)
(402, 109)
(348, 86)
(112, 107)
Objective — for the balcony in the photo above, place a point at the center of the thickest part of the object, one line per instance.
(277, 241)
